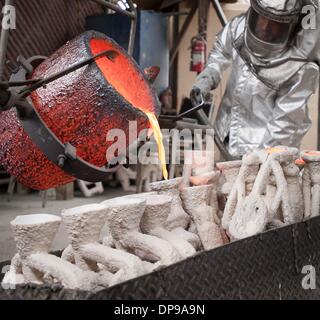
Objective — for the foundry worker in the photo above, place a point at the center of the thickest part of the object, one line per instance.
(270, 83)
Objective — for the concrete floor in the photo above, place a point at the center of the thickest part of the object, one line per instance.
(31, 203)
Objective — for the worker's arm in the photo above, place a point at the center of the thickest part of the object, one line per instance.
(291, 120)
(220, 58)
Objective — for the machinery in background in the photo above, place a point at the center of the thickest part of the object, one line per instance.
(151, 45)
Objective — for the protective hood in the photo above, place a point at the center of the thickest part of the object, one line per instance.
(271, 26)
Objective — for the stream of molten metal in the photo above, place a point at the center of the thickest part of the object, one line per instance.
(124, 77)
(159, 139)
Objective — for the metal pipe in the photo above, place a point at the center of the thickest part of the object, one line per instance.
(133, 28)
(131, 5)
(184, 29)
(184, 114)
(115, 8)
(223, 151)
(4, 44)
(132, 14)
(110, 54)
(223, 19)
(221, 146)
(203, 117)
(203, 17)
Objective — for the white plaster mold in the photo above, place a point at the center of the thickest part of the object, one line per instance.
(211, 205)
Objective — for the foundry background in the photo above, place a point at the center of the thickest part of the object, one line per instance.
(44, 26)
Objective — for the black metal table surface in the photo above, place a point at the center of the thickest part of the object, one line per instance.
(266, 266)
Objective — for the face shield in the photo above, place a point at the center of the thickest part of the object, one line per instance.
(268, 34)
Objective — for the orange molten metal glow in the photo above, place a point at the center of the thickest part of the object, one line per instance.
(120, 75)
(300, 162)
(159, 139)
(273, 150)
(314, 153)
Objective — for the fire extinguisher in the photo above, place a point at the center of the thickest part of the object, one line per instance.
(198, 54)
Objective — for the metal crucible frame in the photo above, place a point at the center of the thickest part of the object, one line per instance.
(14, 94)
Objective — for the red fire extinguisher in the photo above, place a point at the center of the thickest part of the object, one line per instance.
(198, 54)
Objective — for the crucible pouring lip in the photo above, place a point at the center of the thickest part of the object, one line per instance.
(139, 73)
(94, 35)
